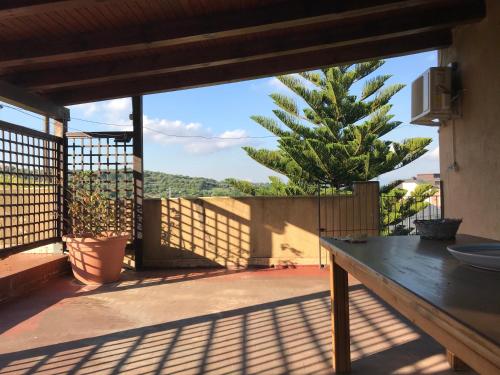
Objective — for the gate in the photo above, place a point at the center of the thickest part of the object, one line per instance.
(31, 166)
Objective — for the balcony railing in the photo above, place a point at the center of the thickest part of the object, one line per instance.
(397, 214)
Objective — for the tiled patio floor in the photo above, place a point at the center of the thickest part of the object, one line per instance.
(204, 322)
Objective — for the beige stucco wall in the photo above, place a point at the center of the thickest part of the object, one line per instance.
(472, 191)
(221, 231)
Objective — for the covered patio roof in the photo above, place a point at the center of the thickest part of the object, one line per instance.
(75, 51)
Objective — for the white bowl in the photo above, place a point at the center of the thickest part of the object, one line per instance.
(481, 255)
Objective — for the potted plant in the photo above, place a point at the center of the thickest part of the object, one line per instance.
(96, 240)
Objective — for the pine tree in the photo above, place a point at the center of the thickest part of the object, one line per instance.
(336, 139)
(397, 207)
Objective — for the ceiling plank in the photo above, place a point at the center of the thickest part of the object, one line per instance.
(284, 15)
(255, 69)
(22, 8)
(389, 24)
(32, 102)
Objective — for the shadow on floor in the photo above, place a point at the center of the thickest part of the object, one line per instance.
(282, 337)
(59, 289)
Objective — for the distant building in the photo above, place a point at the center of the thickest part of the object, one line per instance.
(429, 178)
(434, 179)
(422, 178)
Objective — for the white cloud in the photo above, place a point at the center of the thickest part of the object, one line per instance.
(115, 111)
(192, 136)
(87, 109)
(433, 154)
(118, 104)
(226, 140)
(172, 131)
(267, 85)
(273, 84)
(276, 84)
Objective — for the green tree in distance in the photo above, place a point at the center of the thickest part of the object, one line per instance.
(336, 138)
(396, 206)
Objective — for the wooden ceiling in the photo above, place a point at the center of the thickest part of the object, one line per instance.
(75, 51)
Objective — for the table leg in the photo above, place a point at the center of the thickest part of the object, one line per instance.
(456, 363)
(339, 302)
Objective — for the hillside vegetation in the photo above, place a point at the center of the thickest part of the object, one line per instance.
(157, 185)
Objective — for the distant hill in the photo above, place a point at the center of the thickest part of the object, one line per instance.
(157, 184)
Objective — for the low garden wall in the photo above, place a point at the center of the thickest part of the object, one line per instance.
(265, 231)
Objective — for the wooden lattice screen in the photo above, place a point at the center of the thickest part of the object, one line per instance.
(107, 159)
(30, 189)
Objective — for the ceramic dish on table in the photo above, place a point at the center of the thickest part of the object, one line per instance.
(481, 255)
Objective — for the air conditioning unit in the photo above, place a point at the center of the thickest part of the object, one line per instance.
(431, 97)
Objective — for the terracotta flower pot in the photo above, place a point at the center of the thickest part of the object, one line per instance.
(96, 260)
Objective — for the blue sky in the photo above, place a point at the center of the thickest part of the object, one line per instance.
(224, 111)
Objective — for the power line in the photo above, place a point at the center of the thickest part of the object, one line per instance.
(145, 127)
(35, 116)
(98, 122)
(32, 115)
(193, 136)
(176, 135)
(21, 111)
(155, 130)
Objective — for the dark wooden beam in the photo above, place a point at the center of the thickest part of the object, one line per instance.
(138, 147)
(32, 102)
(381, 26)
(22, 8)
(281, 16)
(255, 69)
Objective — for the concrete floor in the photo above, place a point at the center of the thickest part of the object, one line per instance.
(205, 322)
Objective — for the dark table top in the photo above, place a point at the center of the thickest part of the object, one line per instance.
(424, 267)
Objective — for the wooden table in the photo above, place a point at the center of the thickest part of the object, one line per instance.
(456, 304)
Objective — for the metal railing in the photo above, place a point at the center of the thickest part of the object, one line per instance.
(397, 213)
(339, 215)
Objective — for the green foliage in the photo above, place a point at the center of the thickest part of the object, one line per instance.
(17, 177)
(91, 212)
(157, 185)
(396, 206)
(336, 139)
(275, 187)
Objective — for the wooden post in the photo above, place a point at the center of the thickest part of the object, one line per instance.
(60, 130)
(46, 156)
(339, 302)
(46, 125)
(441, 198)
(137, 119)
(320, 232)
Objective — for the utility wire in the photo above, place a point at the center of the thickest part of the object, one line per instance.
(21, 111)
(32, 115)
(151, 129)
(191, 136)
(145, 127)
(176, 135)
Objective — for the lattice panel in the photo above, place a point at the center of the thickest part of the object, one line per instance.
(30, 171)
(106, 159)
